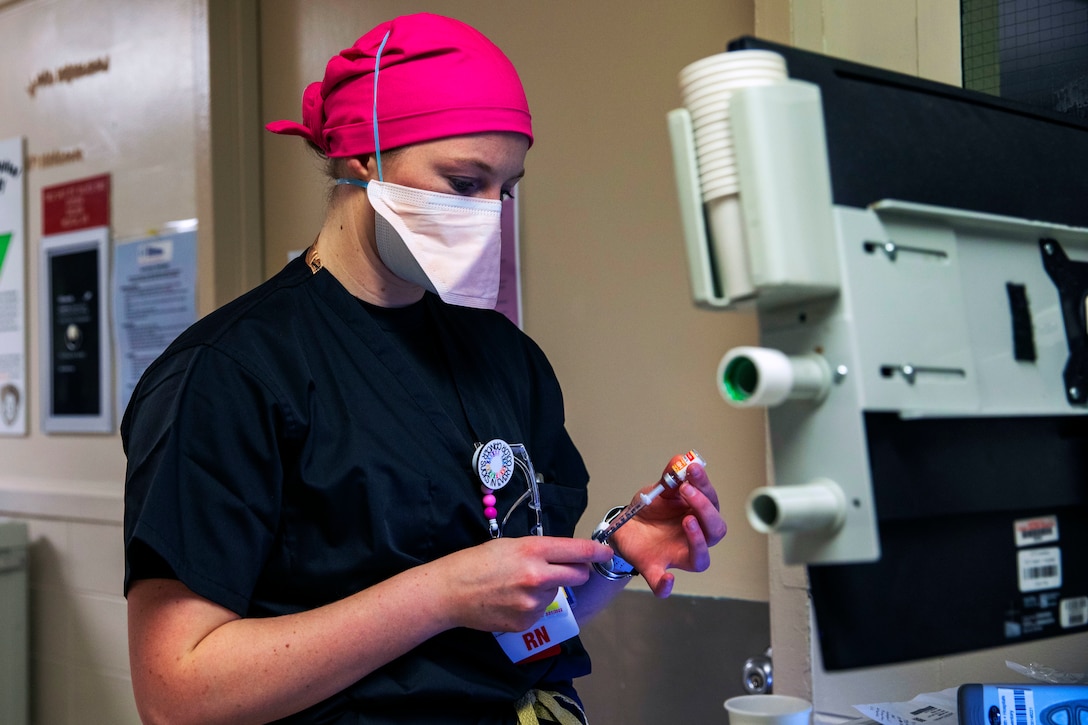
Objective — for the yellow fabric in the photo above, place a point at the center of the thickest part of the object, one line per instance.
(536, 703)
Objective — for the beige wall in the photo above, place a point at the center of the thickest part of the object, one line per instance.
(918, 37)
(605, 287)
(605, 283)
(144, 122)
(134, 122)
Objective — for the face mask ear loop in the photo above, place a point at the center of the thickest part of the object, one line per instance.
(377, 65)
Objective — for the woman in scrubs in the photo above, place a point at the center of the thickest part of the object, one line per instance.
(321, 522)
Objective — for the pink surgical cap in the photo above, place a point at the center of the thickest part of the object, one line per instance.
(437, 77)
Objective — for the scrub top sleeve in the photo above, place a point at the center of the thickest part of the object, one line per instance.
(549, 428)
(204, 481)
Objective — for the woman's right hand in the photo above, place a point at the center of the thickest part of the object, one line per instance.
(505, 585)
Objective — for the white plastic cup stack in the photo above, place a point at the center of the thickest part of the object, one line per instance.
(706, 87)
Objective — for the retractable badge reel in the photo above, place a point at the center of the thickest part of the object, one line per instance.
(495, 463)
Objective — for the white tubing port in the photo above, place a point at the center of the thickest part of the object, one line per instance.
(816, 506)
(759, 376)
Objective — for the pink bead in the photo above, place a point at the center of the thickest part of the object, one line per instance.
(491, 512)
(489, 500)
(484, 489)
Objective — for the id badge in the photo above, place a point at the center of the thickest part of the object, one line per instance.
(543, 638)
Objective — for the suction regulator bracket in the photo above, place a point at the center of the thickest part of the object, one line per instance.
(1071, 280)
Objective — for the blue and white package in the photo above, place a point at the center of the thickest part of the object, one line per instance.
(1023, 704)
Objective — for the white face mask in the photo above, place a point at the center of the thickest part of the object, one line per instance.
(445, 243)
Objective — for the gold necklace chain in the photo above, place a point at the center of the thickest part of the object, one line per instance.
(313, 261)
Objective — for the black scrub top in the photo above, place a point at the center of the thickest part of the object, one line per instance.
(287, 451)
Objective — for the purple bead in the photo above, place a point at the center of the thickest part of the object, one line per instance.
(491, 512)
(489, 500)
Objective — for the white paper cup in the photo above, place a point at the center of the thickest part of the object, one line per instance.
(713, 137)
(716, 166)
(717, 105)
(708, 117)
(730, 75)
(713, 129)
(712, 140)
(717, 163)
(723, 190)
(726, 226)
(714, 157)
(724, 62)
(731, 60)
(712, 165)
(697, 96)
(719, 190)
(733, 57)
(719, 160)
(714, 77)
(726, 76)
(718, 172)
(713, 152)
(707, 85)
(768, 710)
(714, 184)
(723, 87)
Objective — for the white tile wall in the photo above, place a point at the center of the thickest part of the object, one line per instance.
(79, 670)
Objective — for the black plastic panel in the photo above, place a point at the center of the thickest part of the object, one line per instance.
(948, 494)
(895, 136)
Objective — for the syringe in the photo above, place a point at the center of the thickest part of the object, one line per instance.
(675, 474)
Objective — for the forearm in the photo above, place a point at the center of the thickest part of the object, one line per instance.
(194, 661)
(257, 670)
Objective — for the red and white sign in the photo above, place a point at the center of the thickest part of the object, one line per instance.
(76, 205)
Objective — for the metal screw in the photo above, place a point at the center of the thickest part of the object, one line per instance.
(840, 373)
(1048, 248)
(1074, 393)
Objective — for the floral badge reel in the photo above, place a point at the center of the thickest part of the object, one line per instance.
(494, 462)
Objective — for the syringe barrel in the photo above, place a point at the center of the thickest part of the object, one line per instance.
(673, 475)
(626, 515)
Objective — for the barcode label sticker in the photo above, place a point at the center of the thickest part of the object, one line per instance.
(1017, 706)
(1039, 569)
(1035, 531)
(929, 713)
(1074, 612)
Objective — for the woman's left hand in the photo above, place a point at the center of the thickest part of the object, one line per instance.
(675, 531)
